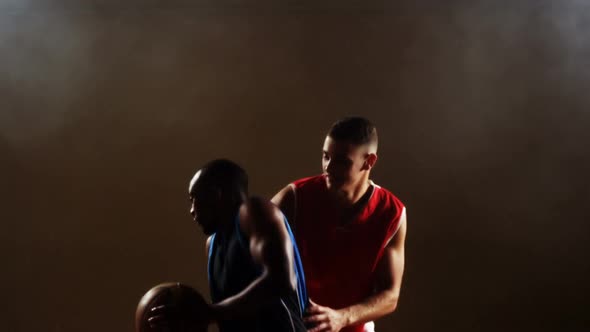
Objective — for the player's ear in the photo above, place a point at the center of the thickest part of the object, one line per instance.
(370, 161)
(226, 196)
(218, 194)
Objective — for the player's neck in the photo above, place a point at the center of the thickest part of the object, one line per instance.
(351, 196)
(228, 219)
(226, 225)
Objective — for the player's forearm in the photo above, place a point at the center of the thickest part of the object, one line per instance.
(373, 307)
(250, 300)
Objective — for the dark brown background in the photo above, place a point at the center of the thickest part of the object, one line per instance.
(108, 107)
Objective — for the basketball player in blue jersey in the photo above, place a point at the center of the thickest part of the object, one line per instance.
(255, 274)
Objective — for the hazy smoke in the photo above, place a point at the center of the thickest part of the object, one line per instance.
(44, 66)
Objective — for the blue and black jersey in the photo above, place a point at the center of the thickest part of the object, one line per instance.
(231, 269)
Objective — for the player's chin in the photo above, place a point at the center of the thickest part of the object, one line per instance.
(207, 230)
(335, 183)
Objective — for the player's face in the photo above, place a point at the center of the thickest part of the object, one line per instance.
(202, 215)
(343, 163)
(204, 202)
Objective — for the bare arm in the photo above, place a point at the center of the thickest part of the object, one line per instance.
(389, 279)
(285, 200)
(270, 246)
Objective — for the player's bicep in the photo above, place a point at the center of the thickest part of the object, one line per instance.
(269, 242)
(285, 200)
(273, 251)
(391, 266)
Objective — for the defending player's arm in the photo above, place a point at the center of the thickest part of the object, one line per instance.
(389, 279)
(271, 248)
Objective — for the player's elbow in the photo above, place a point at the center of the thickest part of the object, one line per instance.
(393, 306)
(392, 301)
(280, 282)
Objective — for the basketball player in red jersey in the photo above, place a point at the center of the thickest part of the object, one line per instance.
(350, 233)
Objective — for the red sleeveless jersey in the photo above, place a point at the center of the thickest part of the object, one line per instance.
(339, 260)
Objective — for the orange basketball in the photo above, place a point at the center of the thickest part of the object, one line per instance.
(186, 310)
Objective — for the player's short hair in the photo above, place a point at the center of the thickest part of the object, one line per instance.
(356, 130)
(225, 175)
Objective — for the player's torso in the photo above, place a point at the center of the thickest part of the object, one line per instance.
(231, 269)
(340, 253)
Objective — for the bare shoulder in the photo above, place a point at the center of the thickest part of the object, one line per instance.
(287, 194)
(286, 201)
(208, 244)
(259, 204)
(398, 239)
(259, 213)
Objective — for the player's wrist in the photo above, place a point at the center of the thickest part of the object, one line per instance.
(346, 315)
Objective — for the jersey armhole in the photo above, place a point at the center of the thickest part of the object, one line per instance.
(399, 225)
(209, 254)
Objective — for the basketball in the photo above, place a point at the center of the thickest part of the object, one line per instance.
(183, 307)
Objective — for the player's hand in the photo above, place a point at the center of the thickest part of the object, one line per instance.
(172, 318)
(323, 319)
